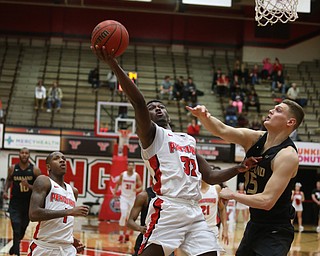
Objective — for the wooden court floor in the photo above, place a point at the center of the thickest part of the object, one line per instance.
(100, 238)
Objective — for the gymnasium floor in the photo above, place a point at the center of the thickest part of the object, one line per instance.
(100, 238)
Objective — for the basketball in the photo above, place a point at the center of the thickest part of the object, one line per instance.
(111, 34)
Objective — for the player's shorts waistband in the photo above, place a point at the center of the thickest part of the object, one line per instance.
(50, 245)
(180, 200)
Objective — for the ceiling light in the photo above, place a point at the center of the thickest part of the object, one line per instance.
(223, 3)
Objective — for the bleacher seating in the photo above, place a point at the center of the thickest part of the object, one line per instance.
(23, 62)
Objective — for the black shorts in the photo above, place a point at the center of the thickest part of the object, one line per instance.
(266, 239)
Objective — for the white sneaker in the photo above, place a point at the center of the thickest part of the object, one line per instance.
(318, 229)
(48, 110)
(301, 228)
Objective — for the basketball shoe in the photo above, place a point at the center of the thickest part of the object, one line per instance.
(121, 239)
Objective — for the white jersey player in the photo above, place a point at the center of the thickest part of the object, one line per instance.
(174, 218)
(240, 207)
(53, 205)
(130, 183)
(59, 230)
(214, 210)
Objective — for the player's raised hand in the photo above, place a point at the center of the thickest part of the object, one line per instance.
(102, 54)
(199, 111)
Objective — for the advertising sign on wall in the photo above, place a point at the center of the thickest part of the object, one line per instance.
(309, 153)
(32, 141)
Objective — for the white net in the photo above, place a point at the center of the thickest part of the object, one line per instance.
(273, 11)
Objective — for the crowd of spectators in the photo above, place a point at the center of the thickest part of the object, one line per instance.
(238, 87)
(184, 91)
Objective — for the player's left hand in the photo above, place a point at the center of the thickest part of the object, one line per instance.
(102, 54)
(248, 163)
(199, 111)
(226, 193)
(78, 245)
(225, 236)
(24, 183)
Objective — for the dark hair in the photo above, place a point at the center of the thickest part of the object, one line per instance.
(24, 148)
(50, 156)
(296, 110)
(151, 101)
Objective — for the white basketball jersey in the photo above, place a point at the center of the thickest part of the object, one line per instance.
(128, 185)
(171, 160)
(209, 206)
(59, 230)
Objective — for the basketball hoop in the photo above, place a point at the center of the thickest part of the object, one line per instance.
(272, 11)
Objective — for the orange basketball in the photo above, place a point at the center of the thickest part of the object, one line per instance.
(111, 34)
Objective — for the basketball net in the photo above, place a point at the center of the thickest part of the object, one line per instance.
(273, 11)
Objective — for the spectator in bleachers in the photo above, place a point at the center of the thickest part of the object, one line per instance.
(237, 68)
(223, 84)
(279, 84)
(238, 103)
(293, 92)
(238, 92)
(235, 83)
(266, 69)
(276, 67)
(243, 120)
(216, 75)
(112, 81)
(231, 117)
(194, 127)
(178, 88)
(40, 95)
(245, 73)
(166, 88)
(255, 75)
(252, 99)
(256, 124)
(94, 78)
(190, 93)
(54, 98)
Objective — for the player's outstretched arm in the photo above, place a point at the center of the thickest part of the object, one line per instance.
(37, 211)
(141, 199)
(223, 217)
(218, 176)
(145, 128)
(284, 167)
(242, 136)
(8, 182)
